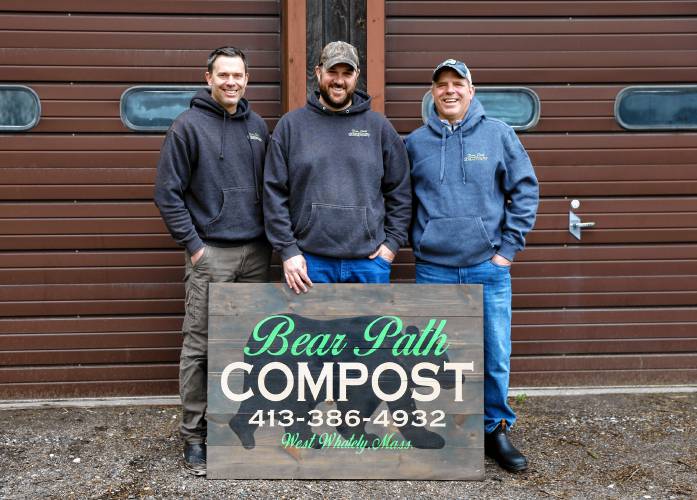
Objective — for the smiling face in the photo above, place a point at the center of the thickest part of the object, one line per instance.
(452, 95)
(228, 81)
(336, 85)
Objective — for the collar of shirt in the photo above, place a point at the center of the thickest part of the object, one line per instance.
(453, 126)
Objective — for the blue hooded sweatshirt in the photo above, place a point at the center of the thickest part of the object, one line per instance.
(475, 190)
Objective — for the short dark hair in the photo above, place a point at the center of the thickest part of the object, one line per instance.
(226, 51)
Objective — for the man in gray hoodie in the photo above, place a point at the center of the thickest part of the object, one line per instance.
(208, 191)
(337, 196)
(476, 197)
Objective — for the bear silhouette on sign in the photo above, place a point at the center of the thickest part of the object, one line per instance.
(360, 398)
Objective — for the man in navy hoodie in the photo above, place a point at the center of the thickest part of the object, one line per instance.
(208, 190)
(476, 197)
(337, 196)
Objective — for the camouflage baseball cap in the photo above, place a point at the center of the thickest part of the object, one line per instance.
(457, 66)
(339, 52)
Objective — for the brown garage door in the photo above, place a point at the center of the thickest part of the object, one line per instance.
(619, 306)
(91, 295)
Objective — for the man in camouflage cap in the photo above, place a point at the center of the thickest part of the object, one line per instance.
(337, 195)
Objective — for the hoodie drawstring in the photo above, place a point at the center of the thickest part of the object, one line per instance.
(222, 137)
(462, 158)
(442, 155)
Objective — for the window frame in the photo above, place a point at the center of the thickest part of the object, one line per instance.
(34, 122)
(164, 88)
(642, 128)
(537, 105)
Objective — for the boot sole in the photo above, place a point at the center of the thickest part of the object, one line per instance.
(191, 469)
(195, 472)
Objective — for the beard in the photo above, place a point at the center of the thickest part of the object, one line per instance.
(324, 92)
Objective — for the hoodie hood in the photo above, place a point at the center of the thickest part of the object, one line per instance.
(360, 102)
(475, 114)
(203, 100)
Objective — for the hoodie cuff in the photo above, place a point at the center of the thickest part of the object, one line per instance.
(507, 250)
(194, 245)
(289, 251)
(393, 245)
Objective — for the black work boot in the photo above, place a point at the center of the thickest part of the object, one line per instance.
(498, 447)
(195, 458)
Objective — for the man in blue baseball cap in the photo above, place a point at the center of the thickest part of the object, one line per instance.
(476, 197)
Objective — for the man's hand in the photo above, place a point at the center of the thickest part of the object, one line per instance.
(501, 261)
(295, 272)
(195, 257)
(383, 252)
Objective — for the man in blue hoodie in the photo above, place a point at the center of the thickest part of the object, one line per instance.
(476, 197)
(337, 196)
(208, 191)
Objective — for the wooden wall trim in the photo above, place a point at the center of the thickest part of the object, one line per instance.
(294, 54)
(376, 54)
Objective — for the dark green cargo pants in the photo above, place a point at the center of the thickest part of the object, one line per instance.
(248, 263)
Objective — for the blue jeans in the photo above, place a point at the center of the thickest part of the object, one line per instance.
(497, 329)
(331, 270)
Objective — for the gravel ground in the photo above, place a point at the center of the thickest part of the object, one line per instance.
(601, 446)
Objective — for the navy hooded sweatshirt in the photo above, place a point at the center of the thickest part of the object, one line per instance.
(208, 185)
(475, 188)
(336, 183)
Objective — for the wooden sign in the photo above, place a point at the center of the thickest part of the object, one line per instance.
(345, 382)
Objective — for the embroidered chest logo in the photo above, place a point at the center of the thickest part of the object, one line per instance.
(476, 157)
(254, 136)
(359, 133)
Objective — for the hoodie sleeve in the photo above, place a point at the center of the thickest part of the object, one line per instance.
(277, 222)
(173, 175)
(521, 188)
(396, 189)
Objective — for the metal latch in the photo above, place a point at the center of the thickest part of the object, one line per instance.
(575, 224)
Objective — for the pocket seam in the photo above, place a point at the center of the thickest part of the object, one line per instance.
(222, 205)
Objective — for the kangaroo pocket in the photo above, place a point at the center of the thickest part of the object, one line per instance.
(239, 217)
(337, 231)
(457, 238)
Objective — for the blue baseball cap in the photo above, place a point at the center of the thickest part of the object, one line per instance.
(458, 66)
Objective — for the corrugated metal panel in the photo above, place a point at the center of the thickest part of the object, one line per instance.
(92, 290)
(618, 307)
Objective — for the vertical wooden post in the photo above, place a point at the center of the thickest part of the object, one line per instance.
(294, 54)
(376, 53)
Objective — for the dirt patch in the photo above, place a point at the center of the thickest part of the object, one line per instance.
(609, 446)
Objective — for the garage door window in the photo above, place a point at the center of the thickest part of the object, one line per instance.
(20, 108)
(154, 108)
(665, 107)
(519, 107)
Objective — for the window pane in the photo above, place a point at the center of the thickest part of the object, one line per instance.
(660, 107)
(20, 108)
(519, 107)
(154, 108)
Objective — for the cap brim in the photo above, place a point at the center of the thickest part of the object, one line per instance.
(456, 70)
(340, 60)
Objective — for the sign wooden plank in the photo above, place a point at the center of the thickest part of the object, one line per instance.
(345, 382)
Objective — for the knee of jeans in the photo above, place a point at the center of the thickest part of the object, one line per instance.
(498, 366)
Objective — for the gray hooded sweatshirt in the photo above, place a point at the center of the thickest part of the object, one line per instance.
(336, 184)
